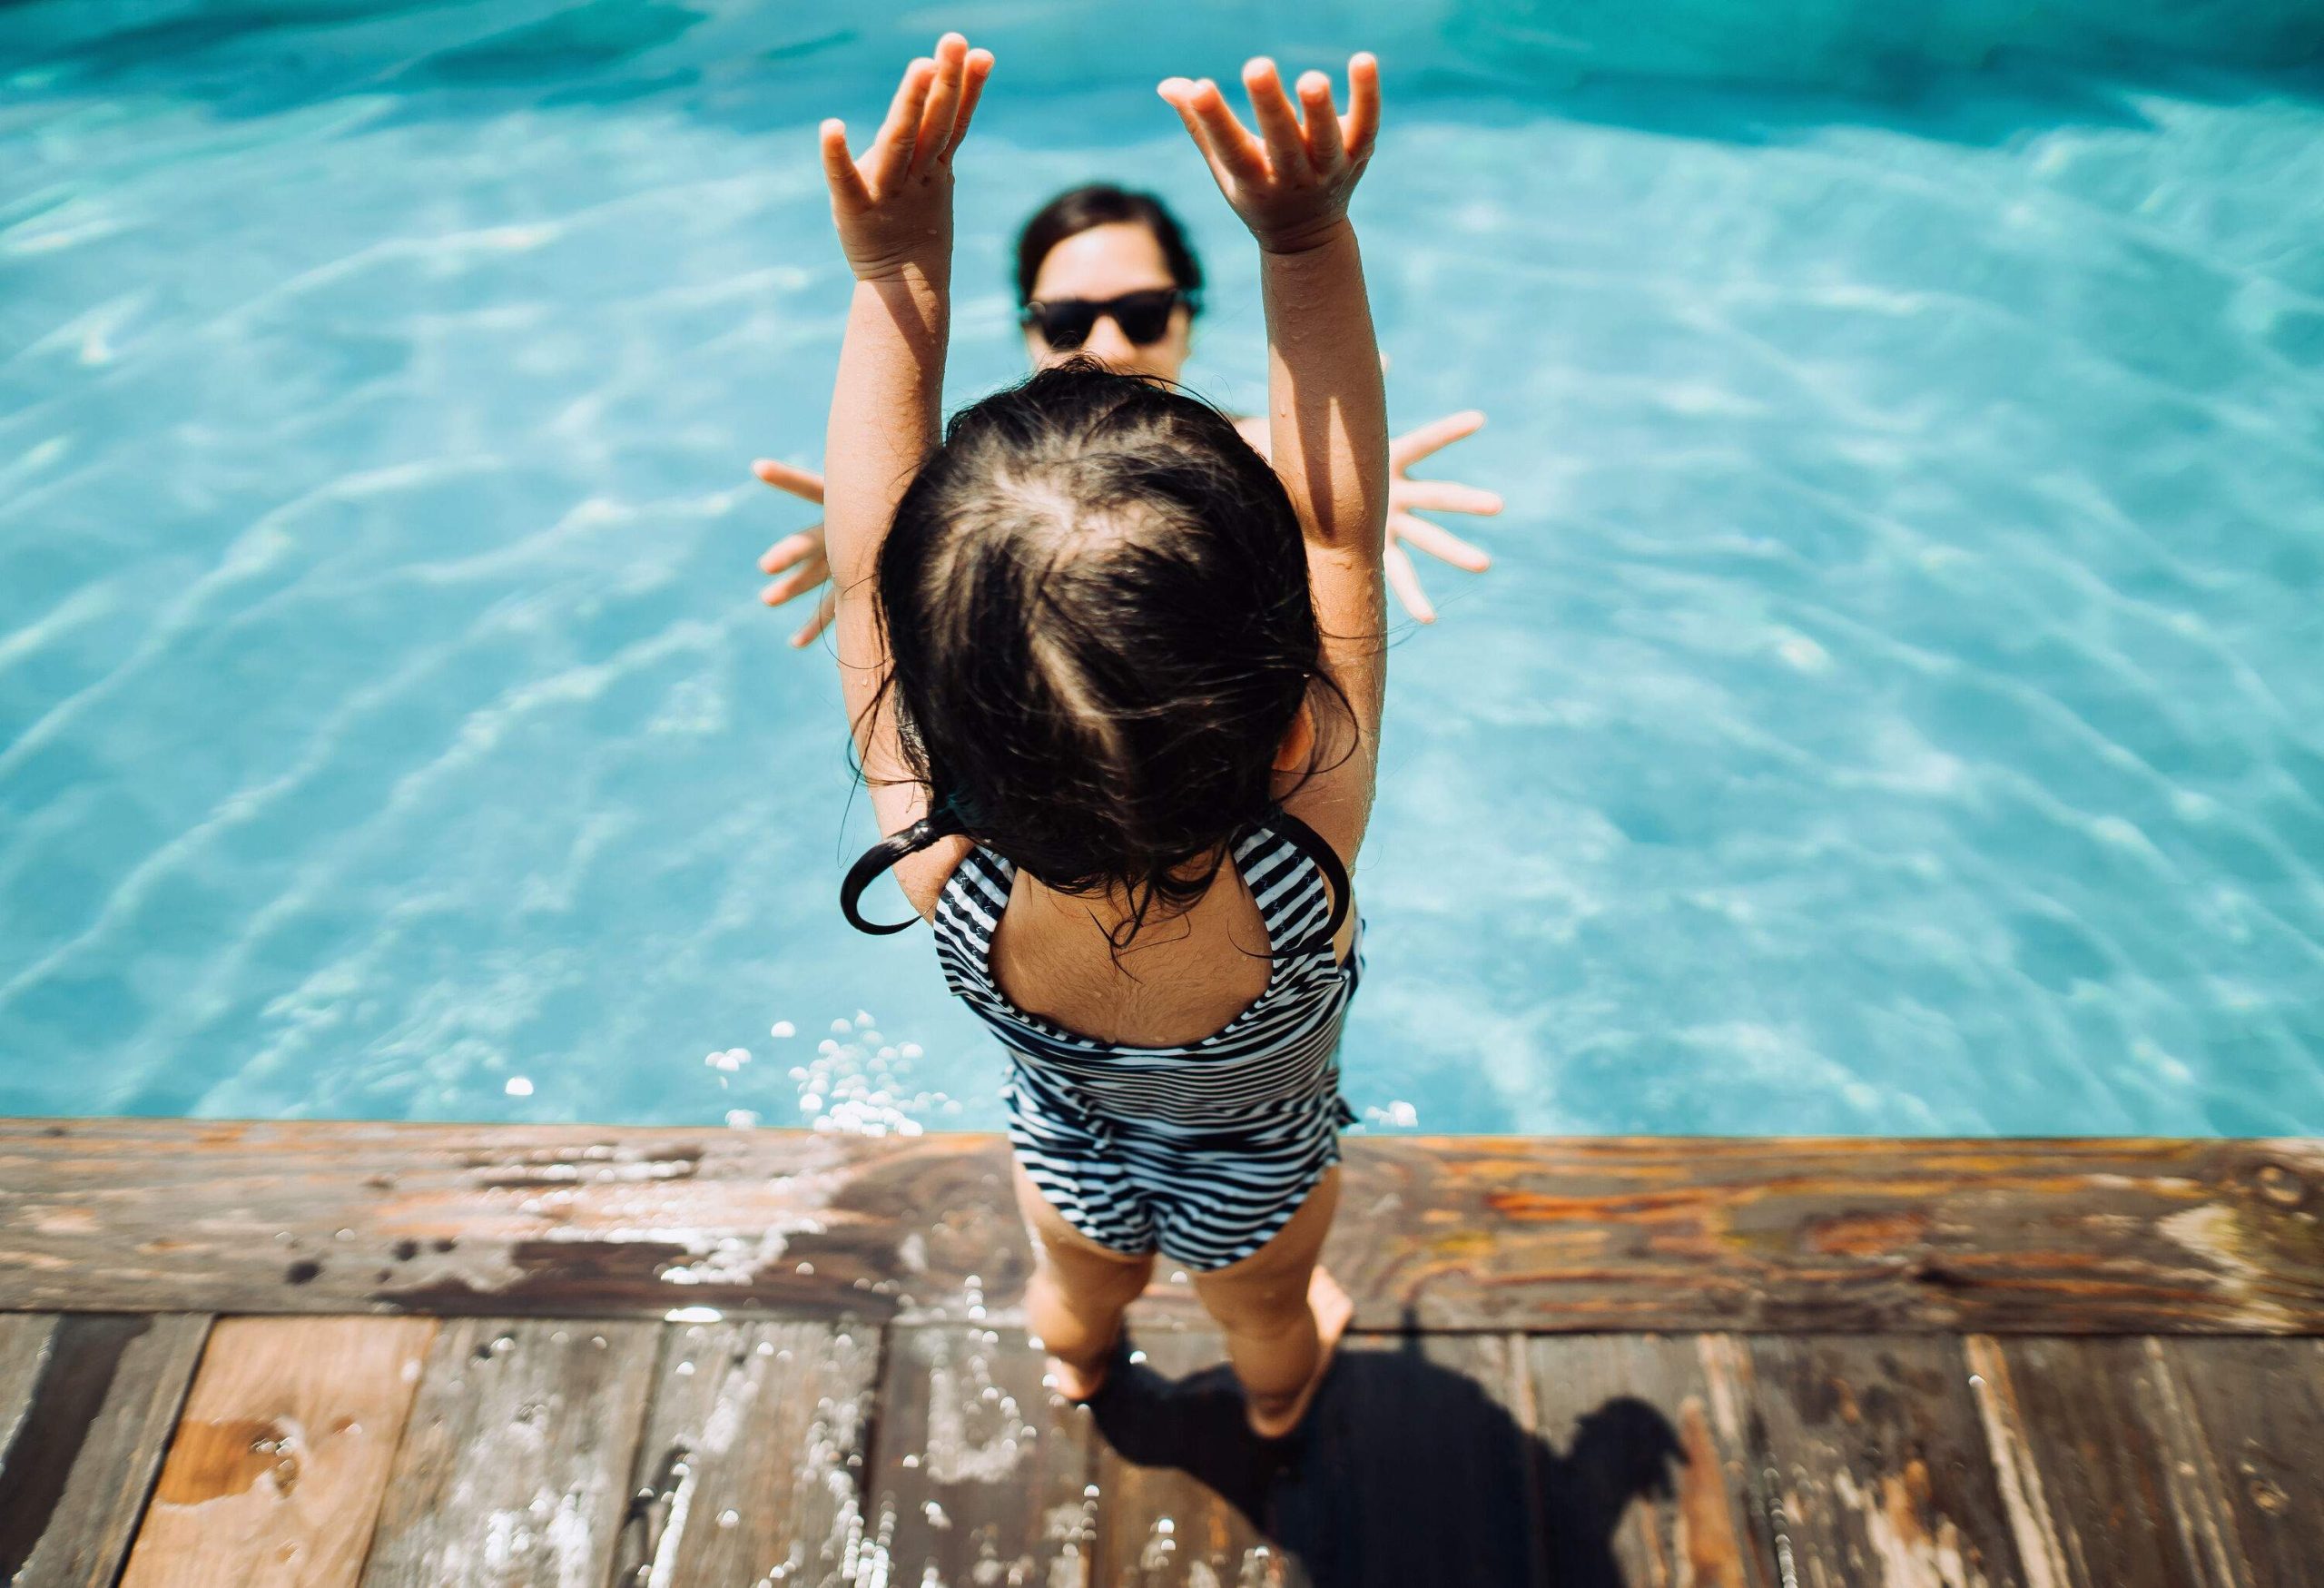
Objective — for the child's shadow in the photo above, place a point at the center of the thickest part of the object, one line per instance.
(1405, 1472)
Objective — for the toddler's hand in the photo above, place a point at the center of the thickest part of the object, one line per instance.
(894, 207)
(1291, 184)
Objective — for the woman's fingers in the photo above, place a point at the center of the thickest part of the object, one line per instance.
(980, 68)
(803, 577)
(1320, 119)
(1278, 124)
(839, 168)
(1414, 445)
(1441, 544)
(822, 620)
(783, 476)
(890, 153)
(791, 549)
(943, 106)
(1361, 125)
(1442, 495)
(1402, 579)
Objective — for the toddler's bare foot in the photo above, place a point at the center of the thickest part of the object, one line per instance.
(1076, 1383)
(1277, 1416)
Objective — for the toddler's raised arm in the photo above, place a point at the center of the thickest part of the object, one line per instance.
(893, 209)
(1327, 413)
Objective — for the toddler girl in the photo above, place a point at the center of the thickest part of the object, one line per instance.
(1116, 686)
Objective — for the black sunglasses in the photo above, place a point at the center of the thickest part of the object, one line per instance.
(1144, 317)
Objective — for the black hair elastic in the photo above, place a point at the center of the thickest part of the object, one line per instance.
(940, 822)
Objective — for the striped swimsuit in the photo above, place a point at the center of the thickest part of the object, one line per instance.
(1203, 1150)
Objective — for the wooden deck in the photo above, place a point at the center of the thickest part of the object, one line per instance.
(428, 1354)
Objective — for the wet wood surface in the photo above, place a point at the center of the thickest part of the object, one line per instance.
(280, 1456)
(515, 1459)
(984, 1475)
(752, 1457)
(1483, 1234)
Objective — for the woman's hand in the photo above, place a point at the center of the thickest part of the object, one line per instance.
(1408, 496)
(801, 553)
(1290, 184)
(893, 208)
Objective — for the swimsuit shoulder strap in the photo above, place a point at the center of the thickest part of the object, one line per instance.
(1310, 894)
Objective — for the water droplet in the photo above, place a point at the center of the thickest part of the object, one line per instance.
(518, 1087)
(782, 1028)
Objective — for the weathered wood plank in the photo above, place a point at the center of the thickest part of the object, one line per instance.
(1479, 1233)
(280, 1456)
(515, 1457)
(985, 1474)
(752, 1462)
(1878, 1461)
(1183, 1485)
(1645, 1470)
(2107, 1478)
(2260, 1405)
(86, 1439)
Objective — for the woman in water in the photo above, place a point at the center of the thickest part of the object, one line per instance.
(1106, 273)
(1115, 682)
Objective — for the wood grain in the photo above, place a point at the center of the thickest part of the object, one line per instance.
(1486, 1234)
(2107, 1476)
(280, 1456)
(516, 1456)
(1879, 1463)
(2260, 1406)
(752, 1464)
(94, 1410)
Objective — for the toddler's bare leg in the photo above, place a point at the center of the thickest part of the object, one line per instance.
(1079, 1291)
(1283, 1314)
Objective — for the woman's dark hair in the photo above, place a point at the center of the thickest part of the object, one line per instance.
(1101, 203)
(1095, 600)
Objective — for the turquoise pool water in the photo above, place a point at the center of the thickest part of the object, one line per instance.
(1897, 706)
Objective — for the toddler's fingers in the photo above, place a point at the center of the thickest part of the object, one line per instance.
(1271, 107)
(943, 106)
(1442, 495)
(1439, 543)
(890, 153)
(784, 478)
(979, 68)
(1361, 125)
(1178, 93)
(1407, 449)
(1230, 143)
(839, 168)
(1402, 579)
(1320, 120)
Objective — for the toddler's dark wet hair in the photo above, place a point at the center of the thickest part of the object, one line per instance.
(1095, 599)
